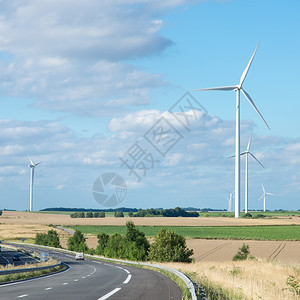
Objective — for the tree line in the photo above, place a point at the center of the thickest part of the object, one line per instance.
(171, 212)
(89, 214)
(168, 246)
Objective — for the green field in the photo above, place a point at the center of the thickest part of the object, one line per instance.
(271, 233)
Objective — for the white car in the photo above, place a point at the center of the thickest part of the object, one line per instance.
(79, 256)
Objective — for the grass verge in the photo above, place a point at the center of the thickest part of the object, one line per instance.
(22, 276)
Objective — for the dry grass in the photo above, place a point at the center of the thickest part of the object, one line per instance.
(50, 262)
(257, 279)
(15, 217)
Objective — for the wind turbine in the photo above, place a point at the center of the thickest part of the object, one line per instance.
(32, 166)
(230, 198)
(247, 152)
(264, 196)
(237, 89)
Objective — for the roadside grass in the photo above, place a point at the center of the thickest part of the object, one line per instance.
(268, 214)
(50, 262)
(32, 274)
(269, 233)
(255, 279)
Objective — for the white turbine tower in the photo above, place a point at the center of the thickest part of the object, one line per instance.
(264, 196)
(32, 166)
(237, 89)
(247, 152)
(230, 198)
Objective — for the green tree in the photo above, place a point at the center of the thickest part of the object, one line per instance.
(48, 239)
(114, 245)
(102, 243)
(170, 246)
(0, 212)
(119, 214)
(89, 214)
(77, 242)
(101, 214)
(130, 214)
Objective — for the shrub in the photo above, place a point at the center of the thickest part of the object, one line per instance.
(89, 214)
(50, 239)
(101, 214)
(119, 214)
(243, 253)
(77, 242)
(247, 215)
(102, 243)
(113, 247)
(170, 246)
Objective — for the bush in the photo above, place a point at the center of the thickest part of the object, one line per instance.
(89, 214)
(101, 214)
(170, 246)
(102, 243)
(247, 215)
(0, 212)
(50, 239)
(119, 214)
(243, 253)
(77, 242)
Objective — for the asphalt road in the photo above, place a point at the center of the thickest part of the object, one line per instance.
(6, 258)
(90, 279)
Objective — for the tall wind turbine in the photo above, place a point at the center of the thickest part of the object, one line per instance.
(264, 196)
(32, 166)
(247, 152)
(237, 89)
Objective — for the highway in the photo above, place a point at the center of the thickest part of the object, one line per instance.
(91, 279)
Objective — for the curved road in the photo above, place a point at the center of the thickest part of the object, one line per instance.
(91, 279)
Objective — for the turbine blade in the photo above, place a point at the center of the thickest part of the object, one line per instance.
(248, 67)
(30, 159)
(249, 143)
(222, 88)
(261, 197)
(263, 188)
(270, 194)
(230, 156)
(38, 163)
(257, 160)
(253, 105)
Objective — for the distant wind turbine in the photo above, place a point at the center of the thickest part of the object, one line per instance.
(247, 152)
(237, 89)
(264, 196)
(32, 167)
(230, 198)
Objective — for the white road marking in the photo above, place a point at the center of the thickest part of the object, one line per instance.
(119, 267)
(128, 278)
(49, 288)
(65, 283)
(75, 279)
(83, 277)
(21, 296)
(109, 294)
(126, 271)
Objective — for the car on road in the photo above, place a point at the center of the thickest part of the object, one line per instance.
(79, 256)
(16, 257)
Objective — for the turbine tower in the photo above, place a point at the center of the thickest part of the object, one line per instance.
(264, 196)
(238, 88)
(247, 152)
(31, 166)
(230, 198)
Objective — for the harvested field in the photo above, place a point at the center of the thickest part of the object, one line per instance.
(14, 217)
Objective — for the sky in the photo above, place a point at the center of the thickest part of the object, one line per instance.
(94, 88)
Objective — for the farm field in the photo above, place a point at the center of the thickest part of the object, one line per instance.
(15, 217)
(286, 232)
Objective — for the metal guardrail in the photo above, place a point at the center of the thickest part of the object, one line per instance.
(182, 276)
(13, 271)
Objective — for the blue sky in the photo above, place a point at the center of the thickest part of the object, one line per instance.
(81, 83)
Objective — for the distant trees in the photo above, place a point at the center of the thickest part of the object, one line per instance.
(169, 246)
(77, 242)
(119, 214)
(48, 239)
(0, 212)
(89, 214)
(176, 212)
